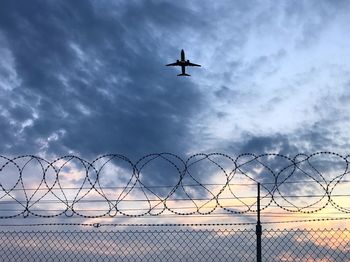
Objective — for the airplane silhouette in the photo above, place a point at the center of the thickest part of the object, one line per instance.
(183, 63)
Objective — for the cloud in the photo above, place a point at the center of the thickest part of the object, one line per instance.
(89, 78)
(94, 82)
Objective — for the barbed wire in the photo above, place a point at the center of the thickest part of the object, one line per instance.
(72, 186)
(98, 225)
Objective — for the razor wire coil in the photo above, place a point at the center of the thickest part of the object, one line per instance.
(115, 181)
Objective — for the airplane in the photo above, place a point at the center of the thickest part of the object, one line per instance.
(183, 63)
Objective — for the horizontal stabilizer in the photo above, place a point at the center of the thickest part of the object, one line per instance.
(183, 75)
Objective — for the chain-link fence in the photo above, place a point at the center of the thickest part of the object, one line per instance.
(80, 192)
(174, 245)
(331, 245)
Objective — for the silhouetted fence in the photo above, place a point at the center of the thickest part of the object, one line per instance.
(175, 245)
(71, 191)
(157, 183)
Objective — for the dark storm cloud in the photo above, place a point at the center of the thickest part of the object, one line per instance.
(320, 136)
(93, 79)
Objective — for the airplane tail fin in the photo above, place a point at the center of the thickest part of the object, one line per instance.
(184, 75)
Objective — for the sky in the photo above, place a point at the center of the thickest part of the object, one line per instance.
(89, 78)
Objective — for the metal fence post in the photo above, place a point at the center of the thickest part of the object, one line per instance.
(258, 229)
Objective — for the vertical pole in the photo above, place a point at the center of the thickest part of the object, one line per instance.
(258, 229)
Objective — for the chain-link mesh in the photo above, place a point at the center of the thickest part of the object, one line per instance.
(174, 245)
(306, 245)
(160, 245)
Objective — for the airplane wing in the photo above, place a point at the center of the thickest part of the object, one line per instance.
(192, 64)
(173, 64)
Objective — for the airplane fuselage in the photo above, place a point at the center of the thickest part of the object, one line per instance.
(182, 55)
(183, 63)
